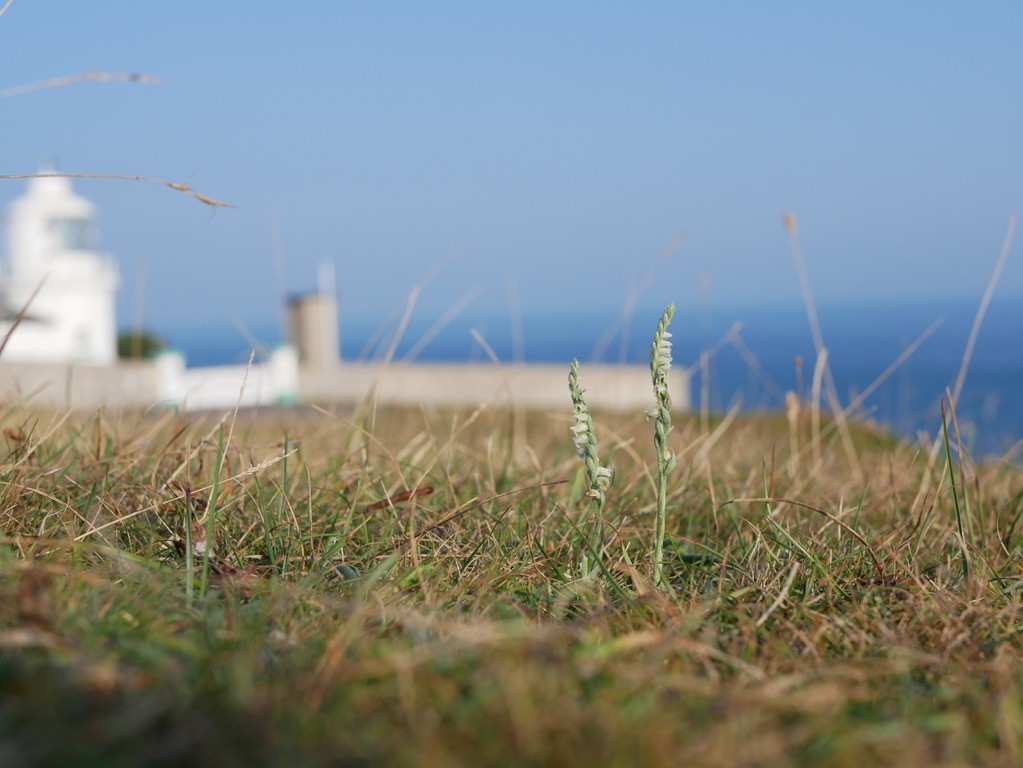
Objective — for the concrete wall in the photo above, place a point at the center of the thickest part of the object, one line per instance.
(612, 387)
(280, 381)
(164, 381)
(79, 386)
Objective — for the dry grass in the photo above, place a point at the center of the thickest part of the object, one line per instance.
(825, 620)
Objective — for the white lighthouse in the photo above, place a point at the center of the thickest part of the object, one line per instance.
(51, 245)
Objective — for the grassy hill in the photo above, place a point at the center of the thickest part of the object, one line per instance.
(433, 588)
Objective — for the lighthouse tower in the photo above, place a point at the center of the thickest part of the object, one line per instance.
(51, 245)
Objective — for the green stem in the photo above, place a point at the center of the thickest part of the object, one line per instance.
(662, 499)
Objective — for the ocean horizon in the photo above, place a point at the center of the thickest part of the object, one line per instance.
(754, 355)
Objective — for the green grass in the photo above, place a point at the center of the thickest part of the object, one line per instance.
(813, 618)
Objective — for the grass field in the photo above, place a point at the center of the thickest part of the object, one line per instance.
(406, 588)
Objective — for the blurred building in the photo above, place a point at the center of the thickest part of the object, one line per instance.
(57, 298)
(55, 275)
(57, 295)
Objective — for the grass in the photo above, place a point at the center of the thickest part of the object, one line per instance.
(399, 588)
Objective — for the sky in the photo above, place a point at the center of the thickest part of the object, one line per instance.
(528, 157)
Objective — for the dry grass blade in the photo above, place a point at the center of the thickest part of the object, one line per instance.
(985, 301)
(964, 366)
(782, 594)
(830, 391)
(844, 526)
(20, 316)
(895, 365)
(474, 504)
(80, 77)
(620, 323)
(205, 200)
(440, 324)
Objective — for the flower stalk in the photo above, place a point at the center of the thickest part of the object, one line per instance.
(660, 365)
(598, 478)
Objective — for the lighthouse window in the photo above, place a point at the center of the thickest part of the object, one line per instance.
(73, 234)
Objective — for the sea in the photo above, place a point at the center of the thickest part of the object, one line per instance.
(748, 357)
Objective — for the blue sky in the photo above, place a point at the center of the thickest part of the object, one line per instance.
(542, 154)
